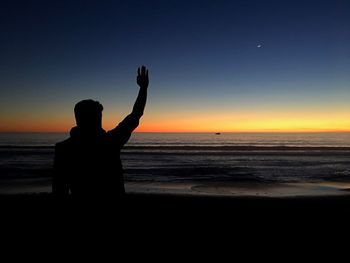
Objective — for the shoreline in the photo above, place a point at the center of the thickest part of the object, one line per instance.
(161, 209)
(193, 189)
(242, 189)
(171, 206)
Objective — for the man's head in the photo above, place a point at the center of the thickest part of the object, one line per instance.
(88, 114)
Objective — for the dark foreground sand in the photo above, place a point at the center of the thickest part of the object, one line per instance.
(151, 205)
(186, 220)
(192, 198)
(217, 208)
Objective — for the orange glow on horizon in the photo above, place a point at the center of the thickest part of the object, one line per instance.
(210, 123)
(157, 129)
(257, 122)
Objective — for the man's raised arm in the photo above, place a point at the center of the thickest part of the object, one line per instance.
(124, 129)
(142, 81)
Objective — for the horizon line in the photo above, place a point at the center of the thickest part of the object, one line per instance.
(330, 131)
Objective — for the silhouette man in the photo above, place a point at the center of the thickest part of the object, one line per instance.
(88, 163)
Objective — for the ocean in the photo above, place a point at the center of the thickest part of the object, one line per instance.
(26, 158)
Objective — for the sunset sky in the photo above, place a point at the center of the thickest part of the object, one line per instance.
(227, 66)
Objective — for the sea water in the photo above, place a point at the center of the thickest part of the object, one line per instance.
(210, 157)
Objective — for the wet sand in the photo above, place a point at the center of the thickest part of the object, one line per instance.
(242, 189)
(221, 198)
(223, 189)
(256, 214)
(243, 202)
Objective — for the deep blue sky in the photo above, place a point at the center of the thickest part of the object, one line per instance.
(203, 57)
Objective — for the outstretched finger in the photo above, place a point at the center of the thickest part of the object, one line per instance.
(138, 71)
(143, 70)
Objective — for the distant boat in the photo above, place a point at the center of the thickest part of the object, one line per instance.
(217, 133)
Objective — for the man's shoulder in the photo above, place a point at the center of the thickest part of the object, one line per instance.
(64, 144)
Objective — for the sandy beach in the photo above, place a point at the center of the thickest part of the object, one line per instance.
(253, 212)
(204, 197)
(200, 189)
(242, 189)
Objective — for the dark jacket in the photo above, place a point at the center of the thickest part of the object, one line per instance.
(88, 163)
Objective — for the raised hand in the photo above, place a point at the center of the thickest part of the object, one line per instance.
(142, 77)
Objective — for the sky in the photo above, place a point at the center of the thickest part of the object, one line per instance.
(215, 66)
